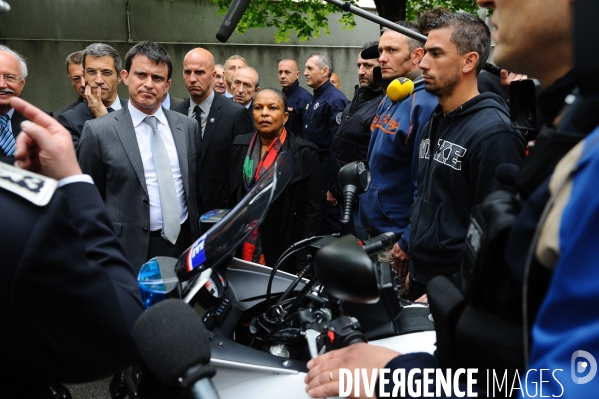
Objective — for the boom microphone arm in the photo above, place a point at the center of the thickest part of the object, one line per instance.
(388, 24)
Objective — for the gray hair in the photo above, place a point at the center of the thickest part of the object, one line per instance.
(221, 66)
(17, 57)
(235, 57)
(101, 50)
(413, 44)
(323, 60)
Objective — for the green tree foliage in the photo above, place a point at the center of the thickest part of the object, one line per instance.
(308, 17)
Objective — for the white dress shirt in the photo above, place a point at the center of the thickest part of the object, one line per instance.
(143, 132)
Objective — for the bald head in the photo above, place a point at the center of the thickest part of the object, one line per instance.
(198, 73)
(288, 73)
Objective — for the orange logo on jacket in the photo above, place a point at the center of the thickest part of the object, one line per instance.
(387, 124)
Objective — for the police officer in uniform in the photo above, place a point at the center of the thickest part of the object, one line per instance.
(353, 135)
(69, 295)
(297, 96)
(321, 120)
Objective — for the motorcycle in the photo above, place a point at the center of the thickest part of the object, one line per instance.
(265, 324)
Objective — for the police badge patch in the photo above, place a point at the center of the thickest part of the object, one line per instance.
(35, 188)
(338, 118)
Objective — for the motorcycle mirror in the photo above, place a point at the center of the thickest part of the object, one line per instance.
(355, 180)
(220, 242)
(346, 271)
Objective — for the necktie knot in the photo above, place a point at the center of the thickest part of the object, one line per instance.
(110, 109)
(152, 121)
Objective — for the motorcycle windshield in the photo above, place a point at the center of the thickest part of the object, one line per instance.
(223, 239)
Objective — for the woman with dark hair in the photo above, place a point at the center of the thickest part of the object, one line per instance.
(294, 215)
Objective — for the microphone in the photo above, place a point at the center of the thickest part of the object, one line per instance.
(234, 14)
(378, 244)
(506, 174)
(173, 342)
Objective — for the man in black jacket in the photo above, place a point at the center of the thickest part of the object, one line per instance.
(219, 119)
(353, 135)
(468, 136)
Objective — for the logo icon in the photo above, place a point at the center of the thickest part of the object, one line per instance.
(589, 363)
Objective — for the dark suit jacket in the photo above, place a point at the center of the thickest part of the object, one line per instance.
(109, 153)
(66, 256)
(174, 102)
(226, 120)
(68, 107)
(74, 119)
(15, 125)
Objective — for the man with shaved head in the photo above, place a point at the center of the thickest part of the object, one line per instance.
(219, 119)
(297, 96)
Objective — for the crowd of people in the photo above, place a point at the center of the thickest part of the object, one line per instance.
(158, 163)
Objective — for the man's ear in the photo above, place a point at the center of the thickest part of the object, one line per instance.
(417, 55)
(470, 61)
(124, 77)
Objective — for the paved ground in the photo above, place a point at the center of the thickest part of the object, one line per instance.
(93, 390)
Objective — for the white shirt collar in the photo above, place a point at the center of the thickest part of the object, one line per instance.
(116, 105)
(205, 105)
(138, 117)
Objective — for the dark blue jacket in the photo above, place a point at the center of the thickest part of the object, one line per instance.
(456, 170)
(323, 115)
(297, 99)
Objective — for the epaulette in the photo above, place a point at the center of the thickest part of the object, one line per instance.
(34, 188)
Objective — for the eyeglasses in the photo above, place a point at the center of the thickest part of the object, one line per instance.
(10, 78)
(106, 73)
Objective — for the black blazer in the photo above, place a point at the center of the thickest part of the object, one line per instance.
(226, 120)
(74, 119)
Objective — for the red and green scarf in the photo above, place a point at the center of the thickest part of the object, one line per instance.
(253, 167)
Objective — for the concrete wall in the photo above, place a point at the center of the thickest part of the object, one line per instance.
(46, 31)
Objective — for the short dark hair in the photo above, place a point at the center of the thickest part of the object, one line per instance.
(101, 50)
(413, 44)
(153, 51)
(470, 34)
(278, 92)
(74, 58)
(427, 19)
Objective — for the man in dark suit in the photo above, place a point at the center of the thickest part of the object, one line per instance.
(220, 120)
(13, 72)
(60, 251)
(101, 68)
(246, 83)
(75, 74)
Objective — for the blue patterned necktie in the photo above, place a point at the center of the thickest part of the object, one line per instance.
(7, 140)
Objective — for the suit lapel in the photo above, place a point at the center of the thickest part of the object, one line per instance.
(15, 123)
(180, 144)
(126, 133)
(213, 118)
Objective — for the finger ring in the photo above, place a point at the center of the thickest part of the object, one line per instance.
(330, 375)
